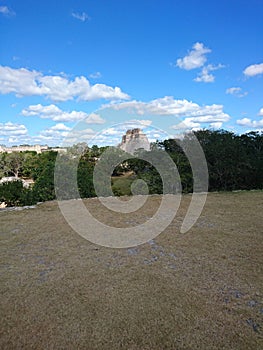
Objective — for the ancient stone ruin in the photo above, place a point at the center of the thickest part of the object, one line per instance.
(133, 140)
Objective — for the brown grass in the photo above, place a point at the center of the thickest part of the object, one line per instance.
(199, 290)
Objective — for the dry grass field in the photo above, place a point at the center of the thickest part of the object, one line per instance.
(199, 290)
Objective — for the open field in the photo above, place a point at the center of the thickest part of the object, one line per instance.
(199, 290)
(122, 184)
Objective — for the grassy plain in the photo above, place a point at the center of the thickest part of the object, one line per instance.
(122, 184)
(199, 290)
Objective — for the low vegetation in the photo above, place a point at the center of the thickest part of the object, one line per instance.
(199, 290)
(234, 163)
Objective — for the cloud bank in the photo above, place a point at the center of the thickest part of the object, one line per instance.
(23, 82)
(54, 113)
(178, 108)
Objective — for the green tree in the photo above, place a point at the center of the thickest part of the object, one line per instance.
(12, 163)
(85, 179)
(43, 189)
(14, 194)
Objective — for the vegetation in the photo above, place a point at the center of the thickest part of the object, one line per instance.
(121, 185)
(201, 290)
(235, 162)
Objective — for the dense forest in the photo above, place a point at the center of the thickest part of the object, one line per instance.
(235, 162)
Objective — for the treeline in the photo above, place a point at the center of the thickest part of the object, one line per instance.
(41, 168)
(235, 162)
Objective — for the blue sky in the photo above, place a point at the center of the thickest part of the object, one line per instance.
(169, 65)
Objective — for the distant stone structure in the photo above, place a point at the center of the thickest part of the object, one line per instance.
(35, 148)
(133, 140)
(55, 149)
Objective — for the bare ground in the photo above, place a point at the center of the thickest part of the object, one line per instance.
(199, 290)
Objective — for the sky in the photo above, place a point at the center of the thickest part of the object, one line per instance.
(81, 70)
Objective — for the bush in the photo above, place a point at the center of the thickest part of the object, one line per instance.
(14, 194)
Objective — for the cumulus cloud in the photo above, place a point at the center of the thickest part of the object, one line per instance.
(76, 136)
(178, 108)
(154, 135)
(54, 113)
(13, 133)
(60, 127)
(52, 134)
(260, 112)
(233, 90)
(250, 123)
(94, 118)
(188, 124)
(254, 69)
(236, 91)
(111, 131)
(24, 82)
(184, 114)
(140, 122)
(196, 58)
(12, 129)
(6, 11)
(16, 134)
(57, 136)
(216, 125)
(80, 16)
(205, 76)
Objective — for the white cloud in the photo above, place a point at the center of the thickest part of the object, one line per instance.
(60, 127)
(6, 11)
(95, 75)
(233, 90)
(236, 91)
(43, 111)
(195, 59)
(17, 134)
(10, 129)
(94, 118)
(216, 125)
(13, 133)
(253, 70)
(260, 113)
(76, 136)
(54, 113)
(185, 115)
(142, 122)
(178, 108)
(250, 123)
(80, 16)
(188, 124)
(24, 82)
(205, 76)
(111, 131)
(52, 134)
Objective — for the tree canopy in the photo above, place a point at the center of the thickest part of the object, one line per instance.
(235, 162)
